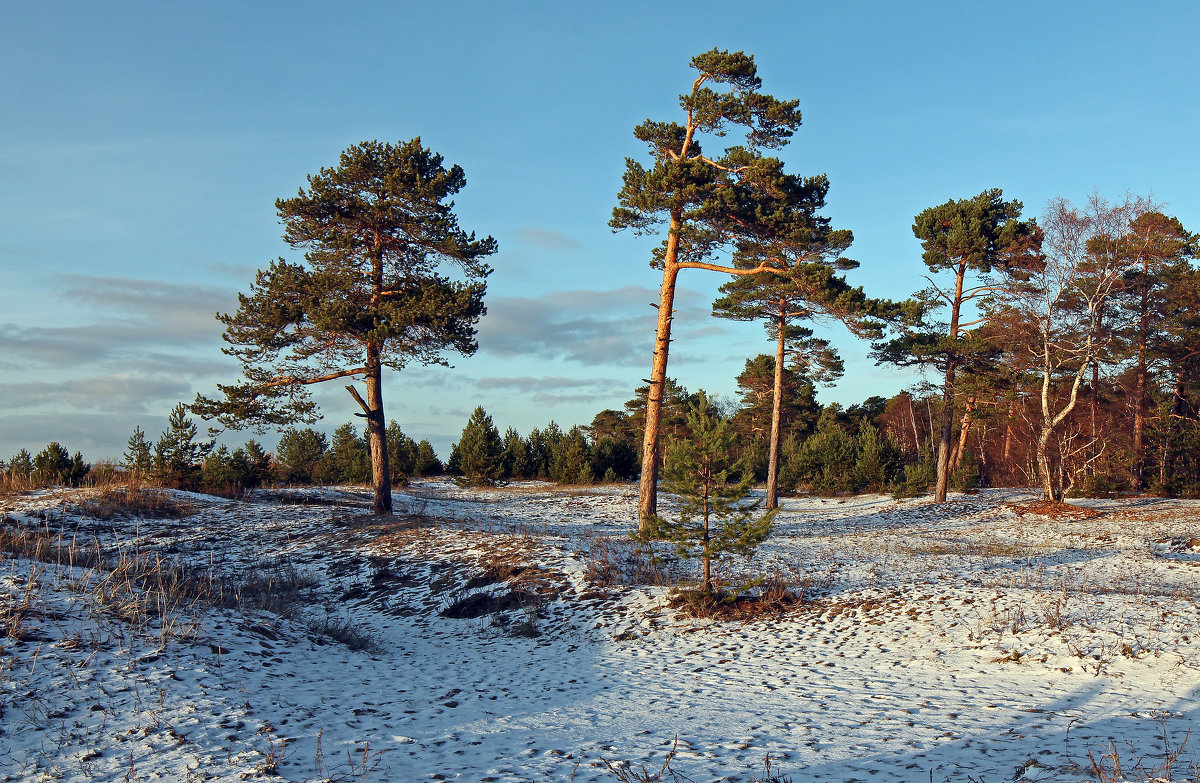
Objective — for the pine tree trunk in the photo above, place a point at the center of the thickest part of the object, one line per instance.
(963, 432)
(912, 413)
(377, 437)
(1095, 400)
(1137, 468)
(381, 475)
(943, 463)
(776, 415)
(944, 437)
(1008, 434)
(648, 485)
(707, 556)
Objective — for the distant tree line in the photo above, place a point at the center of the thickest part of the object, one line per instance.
(52, 465)
(180, 459)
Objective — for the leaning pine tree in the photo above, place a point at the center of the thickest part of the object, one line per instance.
(377, 230)
(715, 519)
(706, 201)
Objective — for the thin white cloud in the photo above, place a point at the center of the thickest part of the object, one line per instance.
(529, 383)
(614, 327)
(549, 240)
(139, 319)
(123, 392)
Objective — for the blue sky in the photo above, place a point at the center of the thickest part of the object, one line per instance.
(142, 147)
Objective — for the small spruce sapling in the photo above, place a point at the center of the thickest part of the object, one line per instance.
(715, 519)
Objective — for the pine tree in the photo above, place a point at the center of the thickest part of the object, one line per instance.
(569, 459)
(217, 473)
(347, 461)
(805, 254)
(1156, 248)
(878, 462)
(1179, 431)
(21, 465)
(542, 444)
(402, 454)
(454, 462)
(480, 451)
(755, 388)
(985, 248)
(426, 463)
(51, 463)
(138, 458)
(610, 424)
(377, 229)
(299, 454)
(241, 470)
(78, 471)
(715, 519)
(614, 459)
(704, 201)
(790, 388)
(177, 454)
(517, 463)
(258, 462)
(827, 459)
(55, 465)
(921, 474)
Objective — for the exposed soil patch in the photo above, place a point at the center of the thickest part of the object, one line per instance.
(480, 604)
(1054, 509)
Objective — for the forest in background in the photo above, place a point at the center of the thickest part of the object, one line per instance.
(878, 445)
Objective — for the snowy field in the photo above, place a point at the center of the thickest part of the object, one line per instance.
(487, 636)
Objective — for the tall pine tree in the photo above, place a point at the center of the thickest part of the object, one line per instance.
(982, 248)
(705, 201)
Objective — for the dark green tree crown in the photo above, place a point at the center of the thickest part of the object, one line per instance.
(376, 229)
(682, 181)
(385, 196)
(980, 232)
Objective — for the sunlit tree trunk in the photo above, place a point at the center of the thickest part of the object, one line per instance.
(776, 415)
(648, 486)
(964, 429)
(377, 436)
(947, 430)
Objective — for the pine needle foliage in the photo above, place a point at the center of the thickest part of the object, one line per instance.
(480, 451)
(715, 519)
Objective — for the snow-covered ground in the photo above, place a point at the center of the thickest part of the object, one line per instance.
(976, 640)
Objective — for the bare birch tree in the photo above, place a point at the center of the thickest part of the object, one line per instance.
(1054, 324)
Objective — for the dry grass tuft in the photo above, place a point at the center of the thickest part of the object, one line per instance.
(1108, 766)
(1054, 509)
(765, 598)
(128, 502)
(145, 591)
(615, 561)
(973, 547)
(343, 631)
